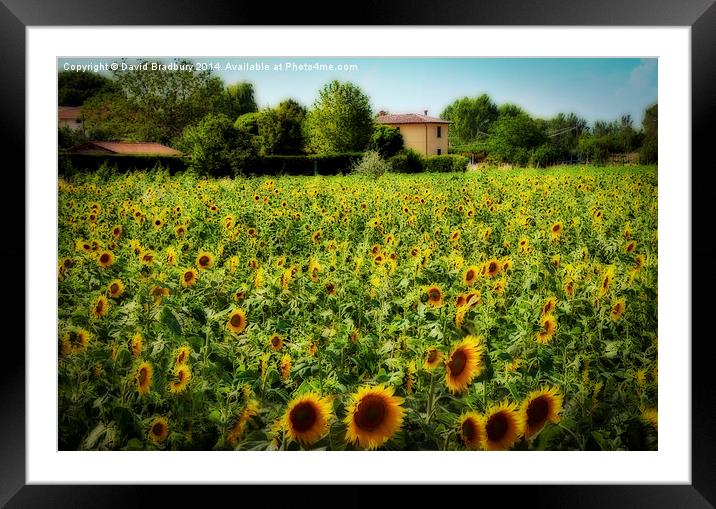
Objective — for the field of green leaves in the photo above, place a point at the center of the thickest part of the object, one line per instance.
(487, 310)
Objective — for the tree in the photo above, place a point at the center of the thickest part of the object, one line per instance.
(280, 129)
(471, 118)
(510, 110)
(340, 121)
(155, 104)
(386, 140)
(67, 137)
(215, 146)
(564, 132)
(74, 88)
(649, 151)
(239, 99)
(513, 136)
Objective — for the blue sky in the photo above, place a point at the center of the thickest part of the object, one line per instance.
(594, 88)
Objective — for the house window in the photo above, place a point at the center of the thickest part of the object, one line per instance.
(439, 151)
(440, 131)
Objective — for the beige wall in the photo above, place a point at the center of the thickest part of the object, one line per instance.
(416, 137)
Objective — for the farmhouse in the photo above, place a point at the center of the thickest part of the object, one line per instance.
(123, 148)
(424, 134)
(69, 116)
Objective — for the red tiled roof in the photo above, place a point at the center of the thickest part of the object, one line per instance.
(410, 118)
(69, 112)
(121, 147)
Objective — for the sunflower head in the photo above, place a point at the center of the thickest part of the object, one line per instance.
(434, 296)
(549, 305)
(470, 275)
(204, 260)
(135, 345)
(432, 357)
(540, 407)
(275, 342)
(115, 288)
(504, 425)
(180, 380)
(105, 259)
(549, 326)
(158, 430)
(307, 417)
(100, 307)
(471, 429)
(143, 377)
(464, 364)
(181, 355)
(491, 267)
(286, 365)
(237, 321)
(374, 416)
(189, 277)
(617, 310)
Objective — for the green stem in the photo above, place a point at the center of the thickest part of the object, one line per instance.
(431, 397)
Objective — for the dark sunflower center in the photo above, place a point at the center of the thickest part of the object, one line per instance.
(555, 228)
(460, 301)
(468, 430)
(470, 275)
(104, 258)
(181, 357)
(434, 294)
(303, 416)
(548, 307)
(329, 288)
(116, 231)
(236, 320)
(497, 427)
(370, 413)
(432, 355)
(457, 363)
(157, 222)
(99, 307)
(114, 288)
(275, 341)
(537, 411)
(204, 260)
(142, 375)
(188, 276)
(617, 309)
(492, 267)
(180, 375)
(158, 429)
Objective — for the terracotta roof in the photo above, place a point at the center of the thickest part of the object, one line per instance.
(121, 147)
(410, 118)
(69, 112)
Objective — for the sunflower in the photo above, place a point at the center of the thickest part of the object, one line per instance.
(435, 296)
(158, 430)
(182, 376)
(115, 288)
(117, 231)
(204, 260)
(286, 366)
(237, 321)
(651, 415)
(471, 275)
(355, 336)
(471, 428)
(251, 409)
(556, 229)
(143, 377)
(409, 378)
(504, 425)
(617, 310)
(135, 345)
(464, 364)
(189, 278)
(105, 259)
(275, 342)
(540, 406)
(100, 307)
(432, 357)
(158, 222)
(549, 305)
(180, 230)
(330, 289)
(146, 256)
(630, 246)
(491, 267)
(374, 416)
(312, 348)
(181, 355)
(306, 418)
(75, 341)
(549, 323)
(524, 245)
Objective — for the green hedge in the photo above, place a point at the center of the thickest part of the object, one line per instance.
(330, 164)
(407, 161)
(446, 163)
(68, 163)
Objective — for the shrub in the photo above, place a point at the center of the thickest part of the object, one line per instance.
(446, 163)
(371, 165)
(328, 164)
(407, 161)
(386, 140)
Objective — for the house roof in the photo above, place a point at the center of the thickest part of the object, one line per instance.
(69, 112)
(122, 147)
(410, 118)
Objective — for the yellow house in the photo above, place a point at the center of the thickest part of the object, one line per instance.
(424, 134)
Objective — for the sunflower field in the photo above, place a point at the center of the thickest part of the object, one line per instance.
(487, 310)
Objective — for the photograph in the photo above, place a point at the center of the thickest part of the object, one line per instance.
(357, 253)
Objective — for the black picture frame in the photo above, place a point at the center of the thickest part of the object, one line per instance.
(700, 15)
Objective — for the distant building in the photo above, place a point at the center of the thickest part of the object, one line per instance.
(123, 148)
(69, 116)
(424, 134)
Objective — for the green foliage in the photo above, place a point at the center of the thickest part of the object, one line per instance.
(446, 163)
(312, 164)
(471, 118)
(74, 88)
(239, 99)
(649, 152)
(386, 140)
(280, 129)
(371, 165)
(215, 146)
(117, 163)
(407, 161)
(67, 137)
(544, 155)
(153, 105)
(340, 121)
(513, 136)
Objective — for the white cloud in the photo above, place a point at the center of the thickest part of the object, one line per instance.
(643, 75)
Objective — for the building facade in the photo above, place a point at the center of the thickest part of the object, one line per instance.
(424, 134)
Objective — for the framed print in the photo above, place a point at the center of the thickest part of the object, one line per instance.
(204, 367)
